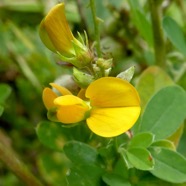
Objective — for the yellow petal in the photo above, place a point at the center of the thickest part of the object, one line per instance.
(81, 94)
(62, 90)
(48, 98)
(58, 30)
(45, 38)
(112, 92)
(71, 114)
(71, 109)
(68, 100)
(110, 122)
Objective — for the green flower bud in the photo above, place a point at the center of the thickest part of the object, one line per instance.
(82, 79)
(104, 63)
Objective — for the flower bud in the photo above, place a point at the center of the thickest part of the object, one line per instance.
(81, 78)
(104, 63)
(55, 33)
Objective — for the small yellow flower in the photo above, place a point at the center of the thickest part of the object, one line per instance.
(111, 106)
(55, 33)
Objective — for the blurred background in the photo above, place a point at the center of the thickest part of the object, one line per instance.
(27, 66)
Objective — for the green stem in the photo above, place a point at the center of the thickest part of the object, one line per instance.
(159, 40)
(182, 6)
(96, 27)
(8, 156)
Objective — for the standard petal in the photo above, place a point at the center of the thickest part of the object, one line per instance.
(48, 98)
(71, 109)
(110, 122)
(58, 30)
(112, 92)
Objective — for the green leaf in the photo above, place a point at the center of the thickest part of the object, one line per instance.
(150, 180)
(53, 135)
(141, 22)
(1, 110)
(121, 169)
(80, 153)
(175, 34)
(82, 175)
(5, 91)
(141, 140)
(169, 165)
(53, 167)
(86, 168)
(114, 179)
(140, 158)
(165, 112)
(107, 151)
(124, 157)
(164, 143)
(151, 81)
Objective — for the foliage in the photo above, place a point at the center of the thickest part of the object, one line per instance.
(151, 153)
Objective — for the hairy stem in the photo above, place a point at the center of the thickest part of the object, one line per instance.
(159, 40)
(96, 27)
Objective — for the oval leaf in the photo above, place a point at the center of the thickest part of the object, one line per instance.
(165, 144)
(165, 112)
(169, 165)
(86, 169)
(83, 175)
(80, 153)
(141, 140)
(140, 158)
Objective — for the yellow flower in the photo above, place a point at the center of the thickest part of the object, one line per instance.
(111, 106)
(55, 33)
